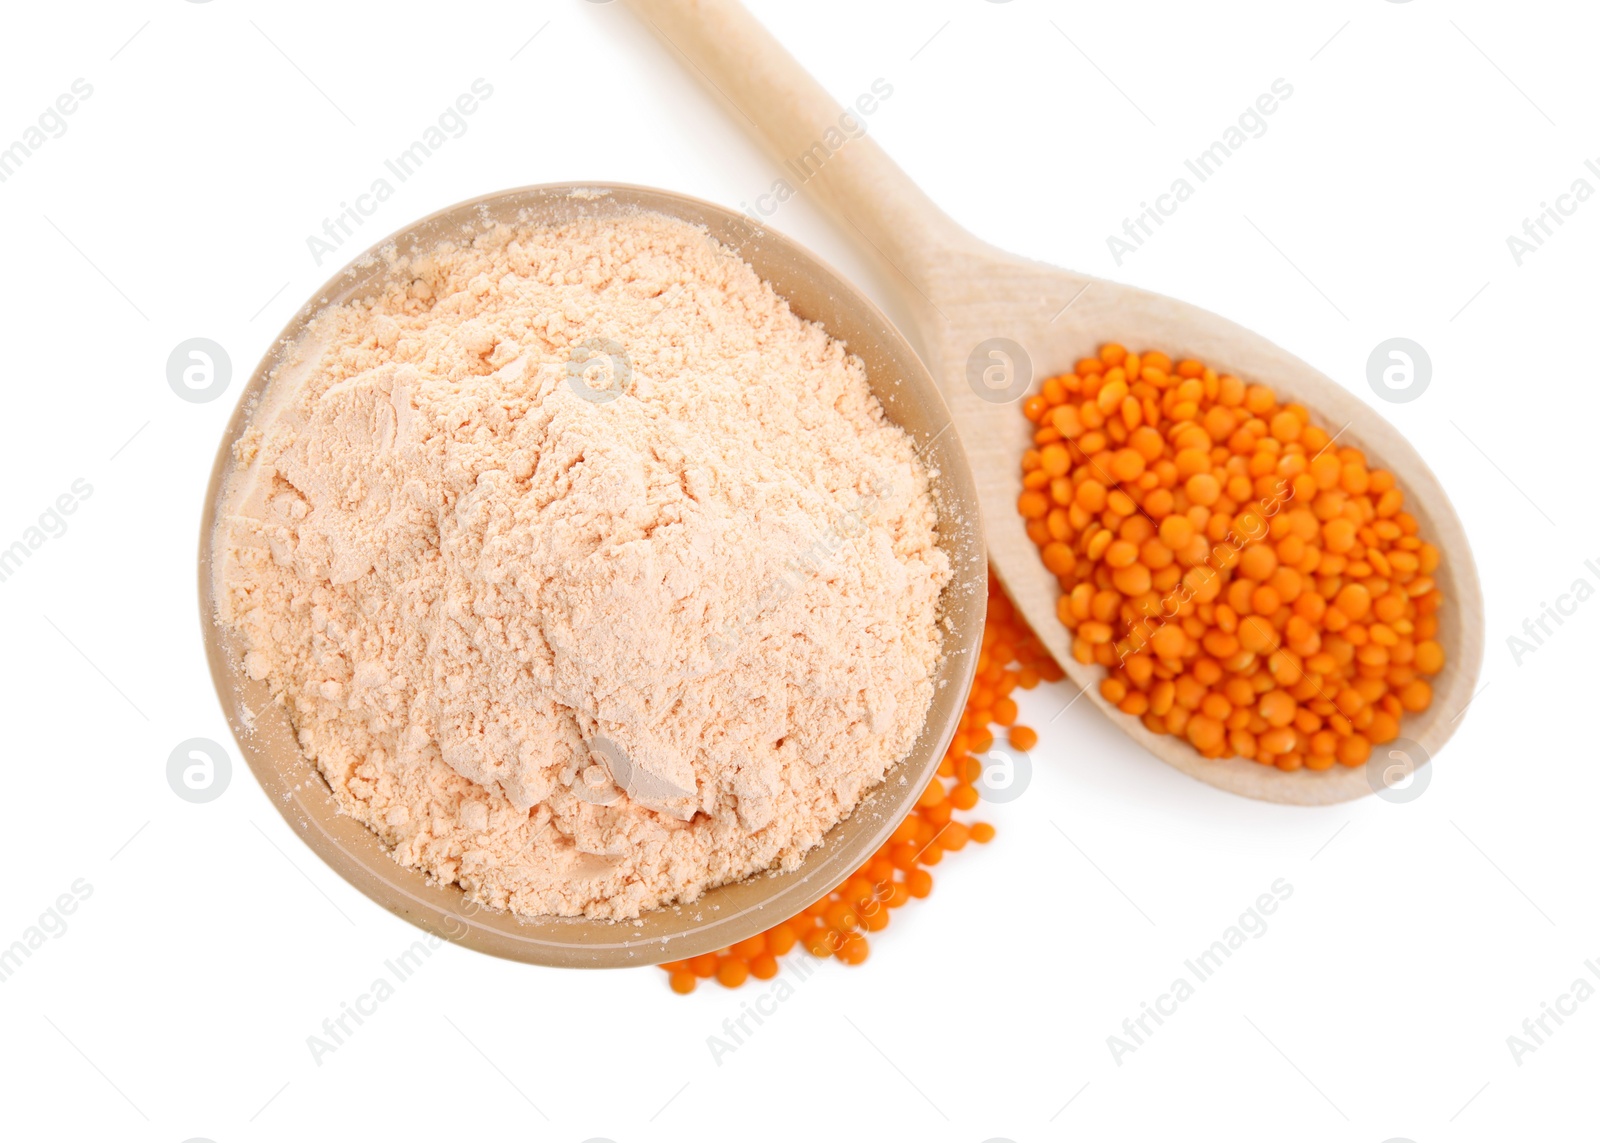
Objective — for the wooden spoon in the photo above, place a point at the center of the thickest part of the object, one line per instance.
(964, 294)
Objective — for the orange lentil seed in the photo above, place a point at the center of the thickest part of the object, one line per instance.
(1247, 583)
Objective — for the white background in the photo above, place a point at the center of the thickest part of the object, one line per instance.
(1418, 937)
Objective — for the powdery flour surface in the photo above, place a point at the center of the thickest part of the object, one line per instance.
(591, 577)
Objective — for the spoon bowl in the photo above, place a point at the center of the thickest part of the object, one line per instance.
(967, 297)
(1023, 302)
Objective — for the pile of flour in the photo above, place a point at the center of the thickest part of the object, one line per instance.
(591, 576)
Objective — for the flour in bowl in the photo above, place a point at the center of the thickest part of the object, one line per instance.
(590, 576)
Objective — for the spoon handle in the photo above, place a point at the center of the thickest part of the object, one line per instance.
(820, 145)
